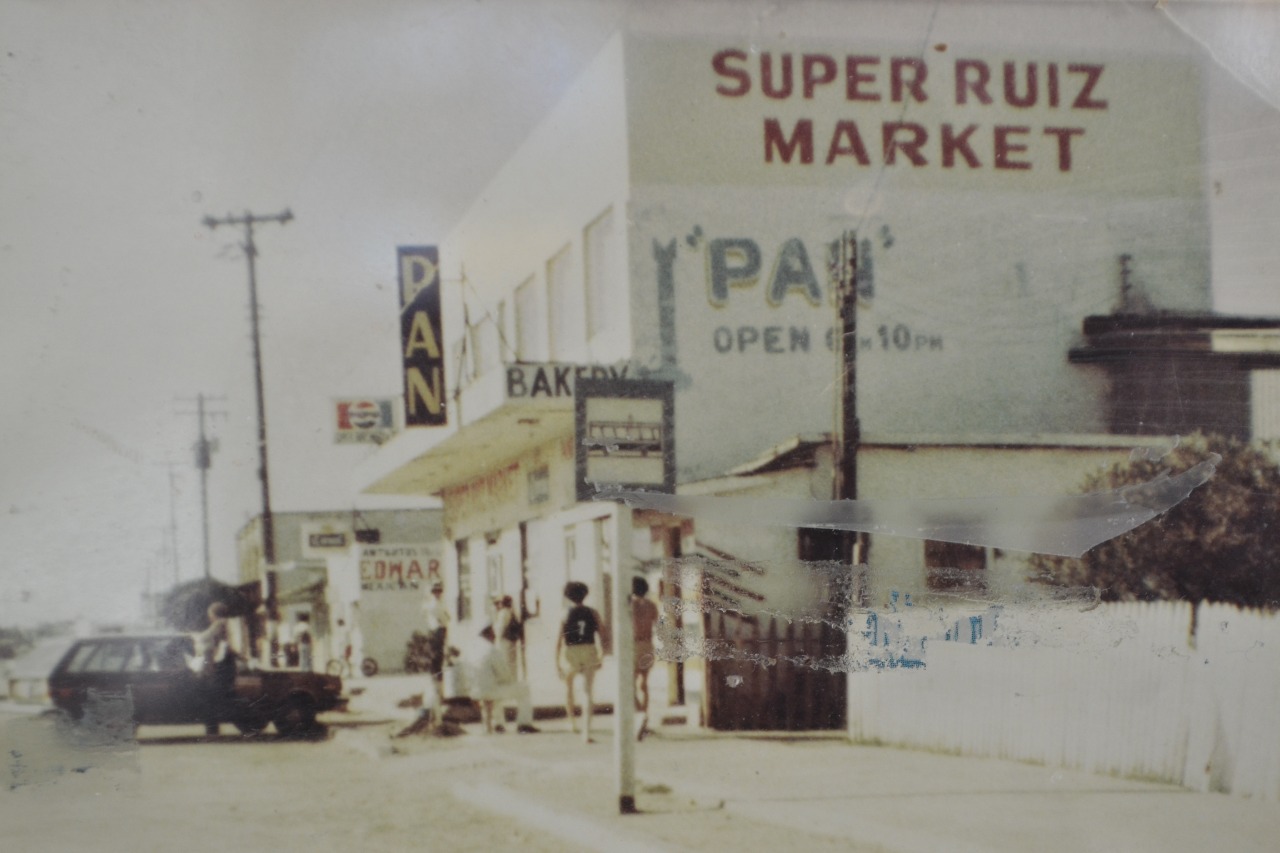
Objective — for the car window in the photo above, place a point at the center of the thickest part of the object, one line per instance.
(82, 654)
(109, 657)
(140, 659)
(169, 654)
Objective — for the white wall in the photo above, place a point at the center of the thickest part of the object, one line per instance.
(982, 276)
(565, 175)
(924, 471)
(1122, 689)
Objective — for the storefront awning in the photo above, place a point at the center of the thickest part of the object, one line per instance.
(503, 414)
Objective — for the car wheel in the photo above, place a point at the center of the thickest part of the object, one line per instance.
(368, 667)
(298, 716)
(251, 725)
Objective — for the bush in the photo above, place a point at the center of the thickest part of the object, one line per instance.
(1220, 544)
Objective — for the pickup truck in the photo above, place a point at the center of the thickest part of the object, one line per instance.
(152, 676)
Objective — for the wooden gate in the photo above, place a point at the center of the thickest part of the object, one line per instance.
(764, 670)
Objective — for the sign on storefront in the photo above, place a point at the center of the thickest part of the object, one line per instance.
(624, 435)
(420, 336)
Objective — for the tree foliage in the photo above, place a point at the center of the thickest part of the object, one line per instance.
(1220, 544)
(185, 607)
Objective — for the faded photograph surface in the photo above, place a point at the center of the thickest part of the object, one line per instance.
(640, 425)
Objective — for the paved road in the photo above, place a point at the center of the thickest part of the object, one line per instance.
(357, 787)
(175, 791)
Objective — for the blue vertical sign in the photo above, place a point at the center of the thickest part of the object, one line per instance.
(420, 336)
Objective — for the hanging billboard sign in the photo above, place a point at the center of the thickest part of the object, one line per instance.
(421, 335)
(364, 420)
(624, 435)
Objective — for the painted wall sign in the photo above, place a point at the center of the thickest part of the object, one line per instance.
(532, 381)
(420, 336)
(782, 113)
(624, 433)
(398, 567)
(1068, 86)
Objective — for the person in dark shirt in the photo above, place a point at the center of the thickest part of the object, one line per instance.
(579, 648)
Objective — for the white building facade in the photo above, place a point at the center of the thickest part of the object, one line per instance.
(678, 216)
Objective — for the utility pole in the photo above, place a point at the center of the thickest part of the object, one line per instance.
(848, 429)
(172, 538)
(247, 221)
(204, 448)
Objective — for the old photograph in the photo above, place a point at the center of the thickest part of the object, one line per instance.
(636, 425)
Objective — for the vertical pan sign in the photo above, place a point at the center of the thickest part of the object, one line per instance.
(420, 336)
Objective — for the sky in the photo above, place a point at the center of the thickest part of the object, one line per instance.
(123, 123)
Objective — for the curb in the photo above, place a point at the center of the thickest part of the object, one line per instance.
(567, 826)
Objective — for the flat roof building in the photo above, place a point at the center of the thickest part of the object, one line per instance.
(1019, 184)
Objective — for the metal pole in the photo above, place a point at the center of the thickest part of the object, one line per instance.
(624, 710)
(248, 220)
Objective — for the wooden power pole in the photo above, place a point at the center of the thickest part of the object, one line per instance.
(248, 221)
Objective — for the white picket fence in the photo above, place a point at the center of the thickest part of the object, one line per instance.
(1121, 689)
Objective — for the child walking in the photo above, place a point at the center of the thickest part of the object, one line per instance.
(579, 648)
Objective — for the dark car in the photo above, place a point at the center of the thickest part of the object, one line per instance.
(152, 676)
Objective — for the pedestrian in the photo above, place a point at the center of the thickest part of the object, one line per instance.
(510, 630)
(304, 642)
(437, 618)
(357, 642)
(216, 667)
(261, 633)
(274, 658)
(288, 648)
(496, 684)
(342, 648)
(579, 648)
(644, 615)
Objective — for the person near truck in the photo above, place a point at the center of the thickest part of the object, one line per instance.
(216, 667)
(304, 641)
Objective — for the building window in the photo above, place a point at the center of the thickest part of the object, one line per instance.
(952, 567)
(599, 248)
(464, 580)
(531, 326)
(563, 305)
(539, 485)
